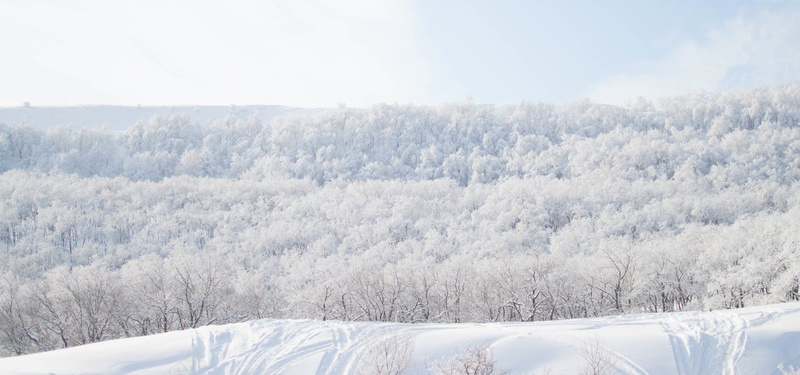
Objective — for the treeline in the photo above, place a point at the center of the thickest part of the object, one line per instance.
(464, 142)
(411, 214)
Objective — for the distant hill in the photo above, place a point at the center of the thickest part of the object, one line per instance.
(123, 117)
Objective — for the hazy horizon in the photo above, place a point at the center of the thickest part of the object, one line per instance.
(313, 54)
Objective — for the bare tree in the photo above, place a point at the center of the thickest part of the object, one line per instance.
(97, 303)
(597, 359)
(202, 289)
(388, 355)
(474, 361)
(14, 333)
(150, 283)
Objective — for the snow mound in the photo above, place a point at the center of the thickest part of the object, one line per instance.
(747, 341)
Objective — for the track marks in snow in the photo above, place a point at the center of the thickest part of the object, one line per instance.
(260, 353)
(341, 357)
(701, 343)
(620, 363)
(623, 365)
(284, 347)
(233, 352)
(707, 343)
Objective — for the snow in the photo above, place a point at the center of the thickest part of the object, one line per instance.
(746, 341)
(124, 117)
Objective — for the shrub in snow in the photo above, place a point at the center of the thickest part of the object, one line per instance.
(597, 359)
(474, 361)
(388, 355)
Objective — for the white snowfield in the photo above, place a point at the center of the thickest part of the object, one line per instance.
(747, 341)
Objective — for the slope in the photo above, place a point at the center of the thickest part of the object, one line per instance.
(745, 341)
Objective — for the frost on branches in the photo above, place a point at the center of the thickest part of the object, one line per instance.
(458, 213)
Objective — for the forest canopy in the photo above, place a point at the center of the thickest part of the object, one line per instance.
(455, 213)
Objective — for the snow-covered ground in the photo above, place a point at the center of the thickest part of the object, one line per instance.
(747, 341)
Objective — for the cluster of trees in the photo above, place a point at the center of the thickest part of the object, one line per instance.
(410, 214)
(465, 142)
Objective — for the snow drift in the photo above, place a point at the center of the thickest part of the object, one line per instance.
(745, 341)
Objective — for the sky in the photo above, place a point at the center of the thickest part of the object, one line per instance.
(316, 53)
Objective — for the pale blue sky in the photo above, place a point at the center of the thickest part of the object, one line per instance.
(316, 53)
(551, 50)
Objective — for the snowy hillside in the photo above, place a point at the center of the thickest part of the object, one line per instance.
(461, 213)
(744, 341)
(124, 117)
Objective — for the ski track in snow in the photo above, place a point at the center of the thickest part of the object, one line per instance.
(707, 343)
(623, 365)
(277, 347)
(618, 361)
(700, 343)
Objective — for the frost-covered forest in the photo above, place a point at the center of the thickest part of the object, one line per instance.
(457, 213)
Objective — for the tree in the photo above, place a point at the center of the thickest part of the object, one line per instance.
(201, 285)
(474, 361)
(597, 359)
(98, 303)
(389, 354)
